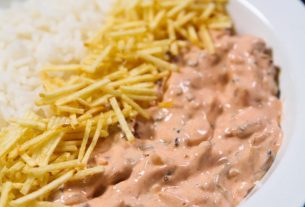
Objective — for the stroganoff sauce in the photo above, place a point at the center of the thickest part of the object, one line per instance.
(209, 149)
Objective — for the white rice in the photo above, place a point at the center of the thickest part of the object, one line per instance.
(36, 33)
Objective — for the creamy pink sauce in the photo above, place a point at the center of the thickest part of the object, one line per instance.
(209, 149)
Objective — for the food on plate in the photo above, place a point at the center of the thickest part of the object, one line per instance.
(169, 107)
(34, 33)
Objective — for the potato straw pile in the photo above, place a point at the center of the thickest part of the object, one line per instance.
(115, 82)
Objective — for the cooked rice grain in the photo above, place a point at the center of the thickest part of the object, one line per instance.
(36, 33)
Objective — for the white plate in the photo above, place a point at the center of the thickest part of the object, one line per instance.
(282, 24)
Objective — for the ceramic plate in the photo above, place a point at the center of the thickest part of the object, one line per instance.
(281, 24)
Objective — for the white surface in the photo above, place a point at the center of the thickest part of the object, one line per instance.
(282, 24)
